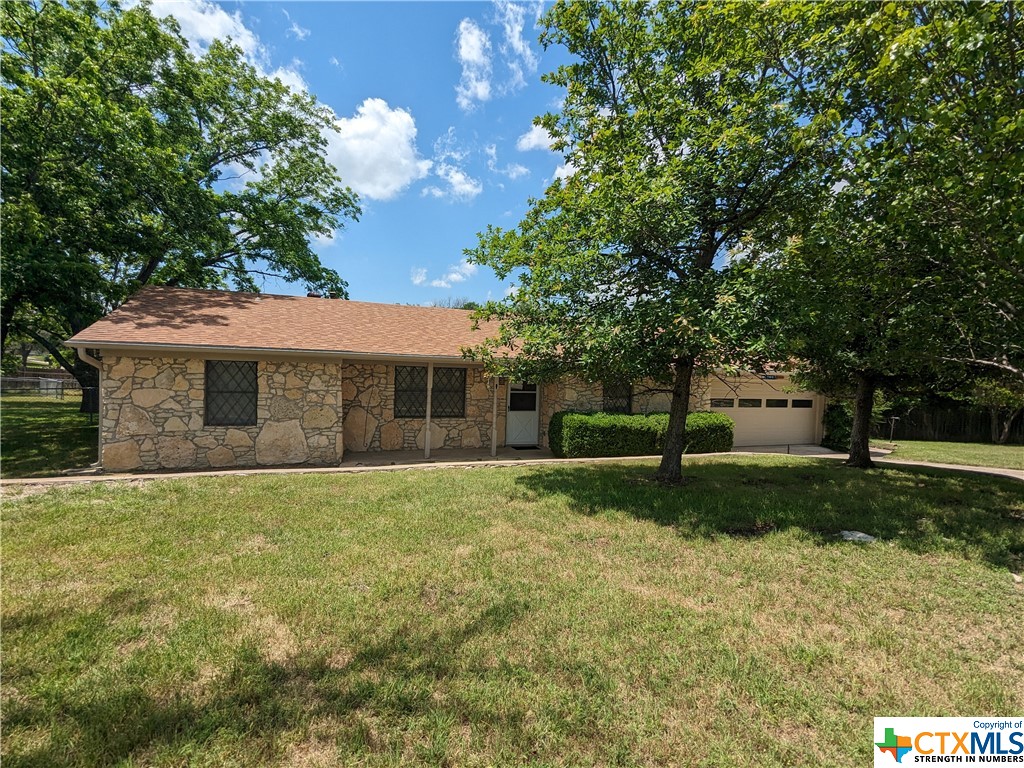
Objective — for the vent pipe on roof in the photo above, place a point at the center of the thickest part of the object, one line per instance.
(312, 295)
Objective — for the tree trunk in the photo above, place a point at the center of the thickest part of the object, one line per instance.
(860, 445)
(671, 469)
(1004, 435)
(993, 413)
(7, 308)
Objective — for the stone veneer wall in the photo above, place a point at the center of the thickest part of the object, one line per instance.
(368, 394)
(152, 416)
(645, 401)
(570, 394)
(576, 395)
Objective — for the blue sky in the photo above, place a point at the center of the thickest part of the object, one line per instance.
(434, 102)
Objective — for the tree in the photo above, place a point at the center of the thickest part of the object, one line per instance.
(856, 311)
(455, 302)
(912, 269)
(1003, 396)
(127, 160)
(686, 127)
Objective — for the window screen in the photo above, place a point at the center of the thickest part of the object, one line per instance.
(410, 392)
(618, 398)
(750, 402)
(231, 390)
(722, 402)
(802, 403)
(448, 398)
(522, 397)
(776, 403)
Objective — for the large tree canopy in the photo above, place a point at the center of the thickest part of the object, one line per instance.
(687, 126)
(913, 270)
(128, 160)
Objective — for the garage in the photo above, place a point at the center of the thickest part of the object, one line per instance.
(766, 412)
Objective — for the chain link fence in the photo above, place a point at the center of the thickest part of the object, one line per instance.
(33, 386)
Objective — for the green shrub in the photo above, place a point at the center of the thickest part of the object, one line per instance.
(838, 422)
(708, 432)
(580, 435)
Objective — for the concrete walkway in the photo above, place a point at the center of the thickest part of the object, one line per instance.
(879, 456)
(395, 461)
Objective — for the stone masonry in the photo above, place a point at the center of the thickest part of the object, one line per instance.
(307, 413)
(566, 395)
(152, 416)
(368, 391)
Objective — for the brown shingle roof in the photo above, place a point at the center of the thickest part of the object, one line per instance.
(162, 316)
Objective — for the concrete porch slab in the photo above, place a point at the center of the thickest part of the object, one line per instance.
(441, 456)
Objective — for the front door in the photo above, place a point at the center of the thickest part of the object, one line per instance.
(523, 415)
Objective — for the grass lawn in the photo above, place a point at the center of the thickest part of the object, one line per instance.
(550, 615)
(969, 454)
(41, 436)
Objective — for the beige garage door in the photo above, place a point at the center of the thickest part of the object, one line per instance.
(766, 416)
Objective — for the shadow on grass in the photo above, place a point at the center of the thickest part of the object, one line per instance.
(979, 517)
(40, 436)
(258, 705)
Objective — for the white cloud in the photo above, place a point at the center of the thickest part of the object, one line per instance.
(473, 51)
(203, 21)
(448, 159)
(461, 186)
(535, 138)
(564, 171)
(457, 273)
(300, 33)
(516, 50)
(512, 290)
(375, 150)
(334, 60)
(512, 170)
(325, 240)
(290, 76)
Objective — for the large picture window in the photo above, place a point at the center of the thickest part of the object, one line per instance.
(231, 391)
(618, 398)
(447, 399)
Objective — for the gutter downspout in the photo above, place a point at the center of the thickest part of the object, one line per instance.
(430, 389)
(494, 418)
(87, 358)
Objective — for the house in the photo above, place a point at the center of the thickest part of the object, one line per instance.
(196, 378)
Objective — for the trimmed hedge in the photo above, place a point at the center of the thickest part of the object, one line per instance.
(584, 435)
(708, 432)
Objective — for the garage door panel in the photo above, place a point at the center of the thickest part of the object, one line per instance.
(761, 424)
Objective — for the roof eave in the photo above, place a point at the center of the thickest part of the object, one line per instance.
(208, 351)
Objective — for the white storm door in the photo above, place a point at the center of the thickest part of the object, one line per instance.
(521, 425)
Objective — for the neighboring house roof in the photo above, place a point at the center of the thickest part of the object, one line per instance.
(162, 317)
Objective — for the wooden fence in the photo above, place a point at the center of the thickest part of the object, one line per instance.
(956, 424)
